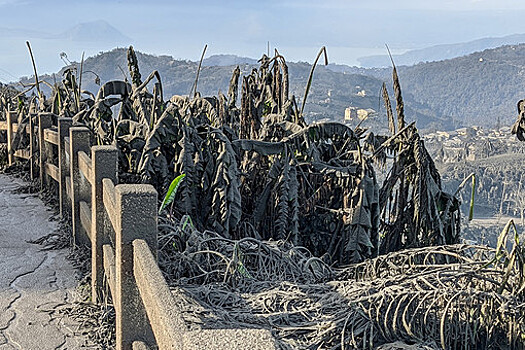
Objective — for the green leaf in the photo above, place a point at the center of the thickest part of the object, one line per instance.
(240, 266)
(170, 195)
(473, 193)
(242, 270)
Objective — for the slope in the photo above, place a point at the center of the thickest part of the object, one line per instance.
(441, 52)
(331, 92)
(479, 89)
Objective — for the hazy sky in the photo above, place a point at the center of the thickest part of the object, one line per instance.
(349, 29)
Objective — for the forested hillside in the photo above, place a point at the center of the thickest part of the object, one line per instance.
(478, 89)
(330, 94)
(441, 52)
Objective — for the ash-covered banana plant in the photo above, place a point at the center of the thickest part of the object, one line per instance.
(258, 170)
(415, 211)
(254, 168)
(518, 128)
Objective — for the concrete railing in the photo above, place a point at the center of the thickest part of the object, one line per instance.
(11, 127)
(119, 222)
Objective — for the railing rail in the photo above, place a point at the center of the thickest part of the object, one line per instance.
(119, 222)
(157, 298)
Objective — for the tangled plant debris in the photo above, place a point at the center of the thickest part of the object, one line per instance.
(448, 296)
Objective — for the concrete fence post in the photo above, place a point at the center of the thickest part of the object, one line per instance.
(137, 205)
(79, 140)
(44, 121)
(32, 146)
(63, 167)
(10, 118)
(104, 165)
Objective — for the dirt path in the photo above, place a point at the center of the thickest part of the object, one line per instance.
(31, 281)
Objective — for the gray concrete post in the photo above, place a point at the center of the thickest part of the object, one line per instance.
(44, 121)
(32, 146)
(10, 117)
(104, 165)
(79, 140)
(137, 205)
(63, 167)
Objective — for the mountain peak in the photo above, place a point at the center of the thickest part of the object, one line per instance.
(95, 31)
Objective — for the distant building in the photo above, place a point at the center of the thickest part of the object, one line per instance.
(462, 131)
(467, 131)
(470, 144)
(353, 113)
(350, 113)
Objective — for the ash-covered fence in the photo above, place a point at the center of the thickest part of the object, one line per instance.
(119, 222)
(10, 125)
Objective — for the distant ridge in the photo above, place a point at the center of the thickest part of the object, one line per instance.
(441, 52)
(330, 95)
(223, 60)
(479, 89)
(21, 33)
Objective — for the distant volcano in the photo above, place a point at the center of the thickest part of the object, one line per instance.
(97, 31)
